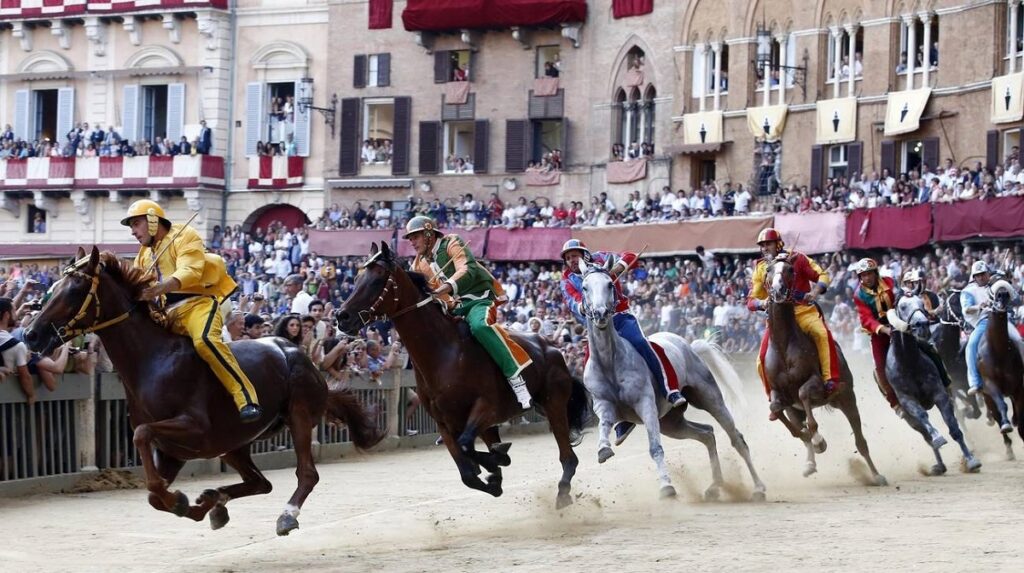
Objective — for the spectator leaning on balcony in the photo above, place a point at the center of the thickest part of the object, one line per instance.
(14, 354)
(205, 145)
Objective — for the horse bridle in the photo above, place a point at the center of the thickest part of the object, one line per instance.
(371, 314)
(67, 331)
(585, 309)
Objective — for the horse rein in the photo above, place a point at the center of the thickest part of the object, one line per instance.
(373, 313)
(67, 331)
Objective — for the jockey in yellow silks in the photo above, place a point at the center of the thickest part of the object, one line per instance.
(193, 283)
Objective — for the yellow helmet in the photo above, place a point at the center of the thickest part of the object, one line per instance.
(151, 209)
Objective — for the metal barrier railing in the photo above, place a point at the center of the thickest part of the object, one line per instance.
(42, 439)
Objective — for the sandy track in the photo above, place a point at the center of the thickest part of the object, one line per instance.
(407, 511)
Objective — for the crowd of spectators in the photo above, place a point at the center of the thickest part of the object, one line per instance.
(86, 141)
(634, 151)
(376, 152)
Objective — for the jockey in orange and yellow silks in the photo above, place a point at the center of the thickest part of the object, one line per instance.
(193, 283)
(813, 281)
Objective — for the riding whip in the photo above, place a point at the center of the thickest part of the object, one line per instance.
(638, 255)
(441, 270)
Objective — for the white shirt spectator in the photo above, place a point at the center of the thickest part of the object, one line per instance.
(382, 217)
(716, 203)
(667, 201)
(14, 356)
(300, 304)
(282, 266)
(743, 201)
(369, 153)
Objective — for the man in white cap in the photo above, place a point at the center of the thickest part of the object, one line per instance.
(975, 301)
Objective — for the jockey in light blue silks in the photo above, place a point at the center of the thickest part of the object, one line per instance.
(626, 325)
(975, 300)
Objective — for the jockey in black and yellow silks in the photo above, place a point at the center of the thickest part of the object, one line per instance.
(194, 283)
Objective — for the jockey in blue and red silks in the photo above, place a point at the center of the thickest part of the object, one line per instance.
(626, 325)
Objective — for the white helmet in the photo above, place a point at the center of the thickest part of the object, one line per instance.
(913, 276)
(978, 268)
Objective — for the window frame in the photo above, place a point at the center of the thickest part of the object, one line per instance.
(446, 139)
(844, 162)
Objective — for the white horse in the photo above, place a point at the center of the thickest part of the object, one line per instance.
(623, 387)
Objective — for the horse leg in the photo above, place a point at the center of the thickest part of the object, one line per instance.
(945, 405)
(849, 408)
(301, 426)
(993, 409)
(253, 483)
(182, 429)
(469, 469)
(499, 453)
(606, 413)
(675, 425)
(806, 394)
(558, 422)
(917, 417)
(716, 407)
(467, 439)
(1000, 403)
(648, 410)
(168, 468)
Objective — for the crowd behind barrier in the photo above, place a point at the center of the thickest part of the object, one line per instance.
(86, 141)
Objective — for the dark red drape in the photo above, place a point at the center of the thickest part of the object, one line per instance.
(380, 14)
(889, 227)
(627, 8)
(437, 15)
(477, 239)
(526, 244)
(996, 218)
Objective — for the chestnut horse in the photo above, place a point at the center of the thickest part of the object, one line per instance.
(457, 381)
(1001, 367)
(177, 407)
(792, 368)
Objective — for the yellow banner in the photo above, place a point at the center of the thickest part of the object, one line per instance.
(837, 121)
(1007, 103)
(767, 122)
(904, 109)
(702, 128)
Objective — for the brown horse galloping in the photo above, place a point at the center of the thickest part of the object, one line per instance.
(457, 381)
(178, 408)
(1001, 367)
(792, 369)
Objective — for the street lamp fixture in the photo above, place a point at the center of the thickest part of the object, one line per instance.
(305, 102)
(766, 64)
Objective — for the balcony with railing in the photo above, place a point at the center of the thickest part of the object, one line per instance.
(39, 10)
(112, 173)
(276, 172)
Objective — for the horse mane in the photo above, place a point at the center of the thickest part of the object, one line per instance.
(420, 280)
(125, 273)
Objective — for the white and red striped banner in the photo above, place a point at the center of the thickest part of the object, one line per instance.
(17, 9)
(111, 172)
(276, 172)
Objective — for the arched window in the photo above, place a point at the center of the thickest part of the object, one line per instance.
(619, 127)
(648, 118)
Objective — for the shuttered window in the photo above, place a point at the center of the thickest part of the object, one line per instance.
(430, 147)
(930, 152)
(888, 157)
(481, 145)
(23, 115)
(302, 126)
(402, 127)
(516, 144)
(991, 149)
(359, 71)
(175, 112)
(66, 112)
(371, 71)
(548, 107)
(817, 165)
(854, 158)
(442, 67)
(457, 112)
(254, 115)
(348, 144)
(383, 70)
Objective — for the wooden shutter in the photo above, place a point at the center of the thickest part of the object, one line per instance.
(442, 71)
(854, 159)
(130, 117)
(565, 143)
(403, 125)
(301, 127)
(430, 147)
(348, 146)
(383, 70)
(817, 165)
(888, 157)
(481, 145)
(930, 152)
(991, 149)
(359, 71)
(516, 145)
(66, 113)
(254, 116)
(175, 113)
(472, 66)
(23, 115)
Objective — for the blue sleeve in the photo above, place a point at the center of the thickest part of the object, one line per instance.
(966, 299)
(569, 294)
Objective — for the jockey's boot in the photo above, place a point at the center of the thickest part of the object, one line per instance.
(522, 393)
(831, 387)
(250, 413)
(675, 398)
(774, 406)
(622, 430)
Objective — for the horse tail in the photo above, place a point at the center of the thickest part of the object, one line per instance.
(343, 406)
(725, 375)
(578, 410)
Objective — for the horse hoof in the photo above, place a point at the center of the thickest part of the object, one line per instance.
(1006, 428)
(501, 459)
(973, 464)
(501, 447)
(563, 501)
(880, 481)
(820, 447)
(180, 505)
(666, 492)
(219, 517)
(286, 523)
(603, 454)
(759, 496)
(712, 494)
(810, 470)
(208, 496)
(938, 469)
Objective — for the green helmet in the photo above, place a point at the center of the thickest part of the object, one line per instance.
(421, 223)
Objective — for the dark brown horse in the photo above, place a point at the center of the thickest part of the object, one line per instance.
(176, 405)
(458, 383)
(792, 368)
(1001, 368)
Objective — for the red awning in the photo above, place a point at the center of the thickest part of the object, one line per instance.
(441, 15)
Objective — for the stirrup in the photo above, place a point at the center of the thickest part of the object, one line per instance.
(522, 392)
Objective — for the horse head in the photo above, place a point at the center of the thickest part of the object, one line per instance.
(910, 316)
(375, 292)
(1002, 295)
(598, 300)
(73, 305)
(780, 279)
